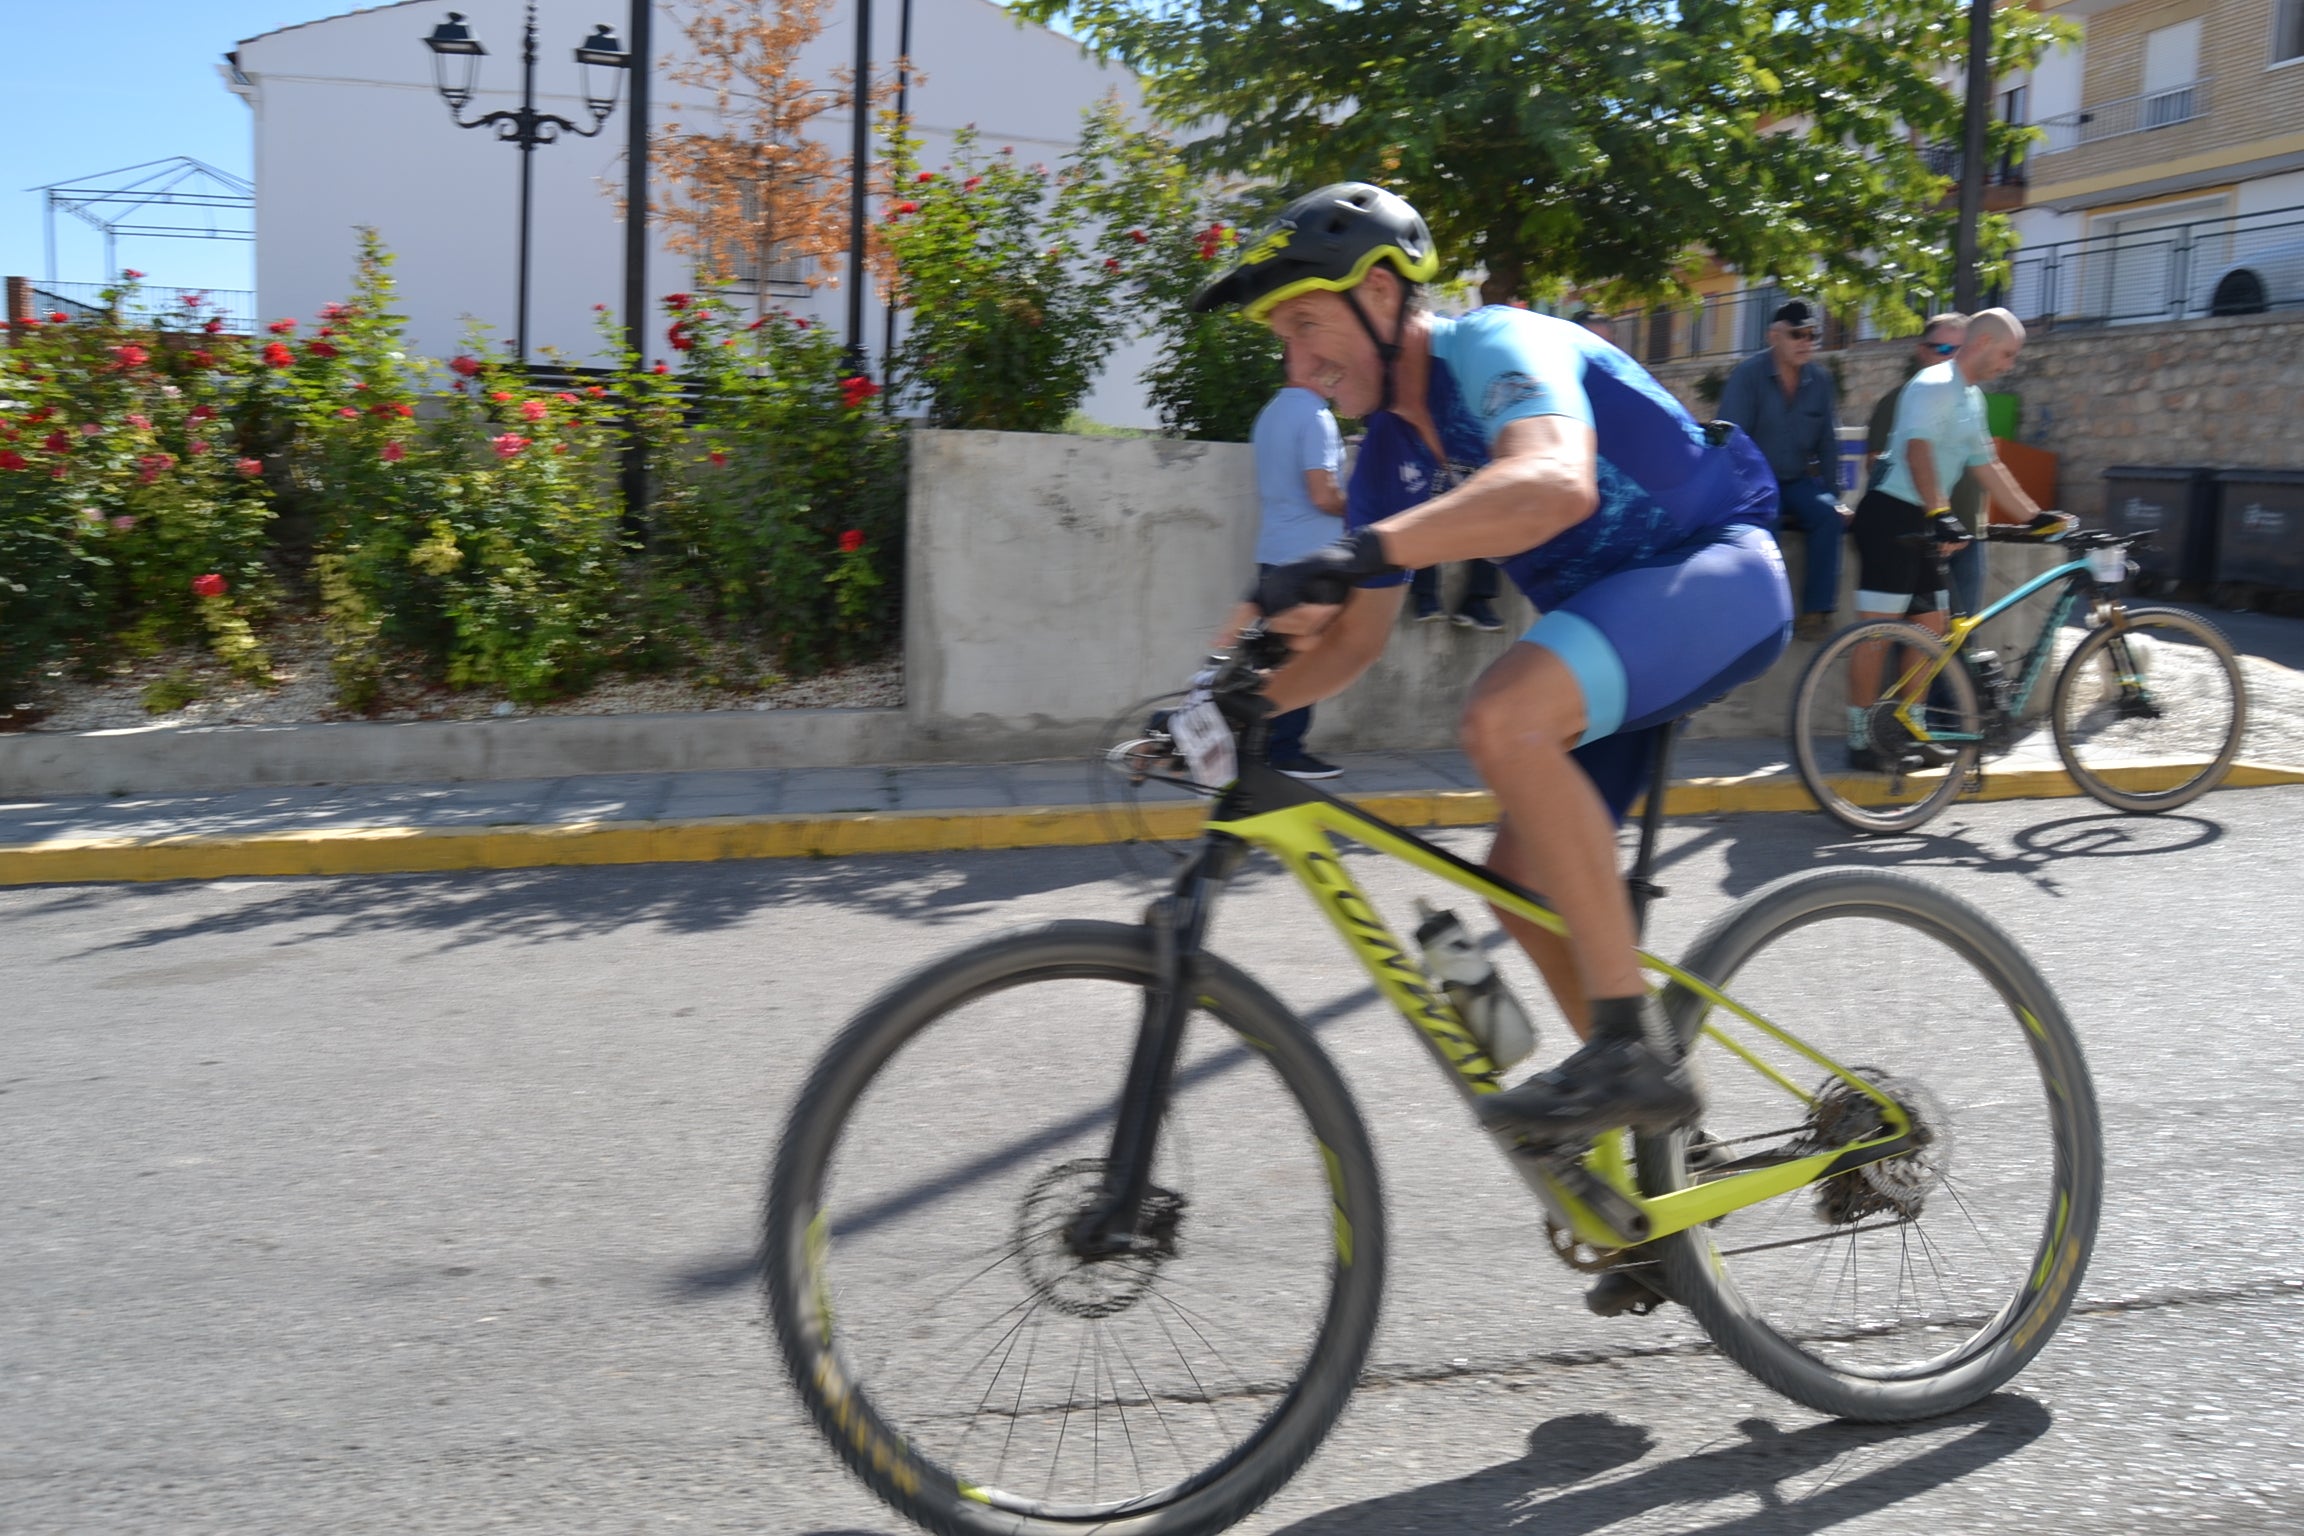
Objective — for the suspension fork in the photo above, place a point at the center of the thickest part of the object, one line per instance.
(1179, 924)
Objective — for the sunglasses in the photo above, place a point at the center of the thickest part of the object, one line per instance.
(1802, 333)
(1942, 348)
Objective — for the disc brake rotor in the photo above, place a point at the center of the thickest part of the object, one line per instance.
(1082, 1287)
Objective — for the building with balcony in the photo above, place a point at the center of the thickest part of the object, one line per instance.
(2170, 179)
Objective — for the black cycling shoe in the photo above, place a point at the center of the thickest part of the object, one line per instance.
(1633, 1286)
(1610, 1081)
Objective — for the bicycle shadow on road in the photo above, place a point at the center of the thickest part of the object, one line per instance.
(1756, 854)
(1853, 1470)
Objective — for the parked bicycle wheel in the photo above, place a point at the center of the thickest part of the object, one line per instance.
(1913, 1286)
(967, 1366)
(1855, 753)
(2148, 713)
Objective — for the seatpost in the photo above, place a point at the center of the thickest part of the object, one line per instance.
(1643, 889)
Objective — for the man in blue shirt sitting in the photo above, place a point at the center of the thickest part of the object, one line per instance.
(1298, 454)
(1640, 537)
(1784, 399)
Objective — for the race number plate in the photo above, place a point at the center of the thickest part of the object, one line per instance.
(1204, 740)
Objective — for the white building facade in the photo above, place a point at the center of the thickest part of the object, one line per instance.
(351, 132)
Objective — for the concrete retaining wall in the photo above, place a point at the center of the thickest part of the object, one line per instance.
(1054, 581)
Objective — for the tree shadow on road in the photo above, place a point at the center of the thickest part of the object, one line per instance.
(1841, 1472)
(550, 905)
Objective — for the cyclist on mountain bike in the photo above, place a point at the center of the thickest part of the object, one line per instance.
(1641, 538)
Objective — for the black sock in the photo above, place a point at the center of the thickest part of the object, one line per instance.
(1620, 1018)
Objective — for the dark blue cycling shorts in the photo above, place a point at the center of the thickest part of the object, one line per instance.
(1657, 640)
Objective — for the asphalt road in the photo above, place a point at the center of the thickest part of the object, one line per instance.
(426, 1204)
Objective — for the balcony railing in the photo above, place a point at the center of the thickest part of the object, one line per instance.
(2129, 114)
(84, 300)
(1946, 160)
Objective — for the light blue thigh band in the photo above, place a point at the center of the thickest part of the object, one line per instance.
(1592, 661)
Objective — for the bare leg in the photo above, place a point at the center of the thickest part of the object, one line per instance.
(1525, 715)
(1555, 961)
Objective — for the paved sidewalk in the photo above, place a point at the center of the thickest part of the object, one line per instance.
(368, 829)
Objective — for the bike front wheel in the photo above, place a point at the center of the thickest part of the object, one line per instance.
(1855, 753)
(2149, 710)
(1914, 1286)
(967, 1366)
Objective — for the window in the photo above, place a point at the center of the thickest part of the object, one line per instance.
(2171, 69)
(2287, 31)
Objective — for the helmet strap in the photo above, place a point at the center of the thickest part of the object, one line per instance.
(1387, 351)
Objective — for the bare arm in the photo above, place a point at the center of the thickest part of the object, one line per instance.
(1542, 480)
(1335, 658)
(1326, 493)
(2001, 486)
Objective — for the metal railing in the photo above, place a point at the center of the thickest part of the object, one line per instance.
(2237, 264)
(2129, 114)
(80, 300)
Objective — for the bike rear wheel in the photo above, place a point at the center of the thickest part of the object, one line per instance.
(1911, 1287)
(972, 1371)
(2149, 712)
(1893, 792)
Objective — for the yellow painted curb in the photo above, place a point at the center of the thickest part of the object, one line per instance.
(405, 850)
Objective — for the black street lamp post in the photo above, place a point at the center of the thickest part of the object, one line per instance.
(456, 55)
(860, 156)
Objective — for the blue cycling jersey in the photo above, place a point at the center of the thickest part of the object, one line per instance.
(1662, 482)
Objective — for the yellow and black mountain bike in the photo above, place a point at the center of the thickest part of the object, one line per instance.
(1078, 1229)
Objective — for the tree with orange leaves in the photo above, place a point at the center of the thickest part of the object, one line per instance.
(758, 189)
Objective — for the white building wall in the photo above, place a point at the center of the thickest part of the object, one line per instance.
(349, 131)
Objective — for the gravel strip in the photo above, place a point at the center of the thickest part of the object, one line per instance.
(303, 692)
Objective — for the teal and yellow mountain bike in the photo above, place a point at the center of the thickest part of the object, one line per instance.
(2147, 710)
(1078, 1229)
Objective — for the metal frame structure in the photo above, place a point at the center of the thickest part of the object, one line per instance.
(115, 209)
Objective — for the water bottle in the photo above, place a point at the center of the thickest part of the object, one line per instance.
(1482, 1001)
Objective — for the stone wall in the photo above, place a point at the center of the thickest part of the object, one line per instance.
(2225, 393)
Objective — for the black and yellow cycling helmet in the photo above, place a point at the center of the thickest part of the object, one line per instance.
(1325, 241)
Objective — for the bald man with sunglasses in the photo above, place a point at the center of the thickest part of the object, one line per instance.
(1937, 341)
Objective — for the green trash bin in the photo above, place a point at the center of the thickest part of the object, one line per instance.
(2003, 414)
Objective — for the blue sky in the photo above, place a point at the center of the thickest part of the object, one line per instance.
(92, 85)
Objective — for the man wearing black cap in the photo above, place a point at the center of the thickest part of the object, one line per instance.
(1784, 401)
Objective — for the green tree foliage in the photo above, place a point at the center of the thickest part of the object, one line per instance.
(1610, 143)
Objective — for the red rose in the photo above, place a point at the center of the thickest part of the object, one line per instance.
(599, 309)
(392, 453)
(718, 457)
(197, 446)
(153, 466)
(903, 208)
(131, 356)
(535, 410)
(249, 468)
(201, 359)
(130, 273)
(210, 585)
(565, 398)
(660, 368)
(675, 301)
(597, 393)
(277, 355)
(322, 349)
(140, 422)
(11, 459)
(57, 442)
(925, 177)
(40, 415)
(348, 412)
(466, 366)
(799, 324)
(857, 389)
(679, 340)
(852, 541)
(201, 413)
(508, 445)
(327, 330)
(972, 183)
(1111, 263)
(59, 317)
(500, 395)
(282, 327)
(215, 323)
(1138, 236)
(334, 311)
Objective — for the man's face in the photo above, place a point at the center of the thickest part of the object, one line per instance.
(1327, 349)
(1792, 344)
(1938, 343)
(1985, 358)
